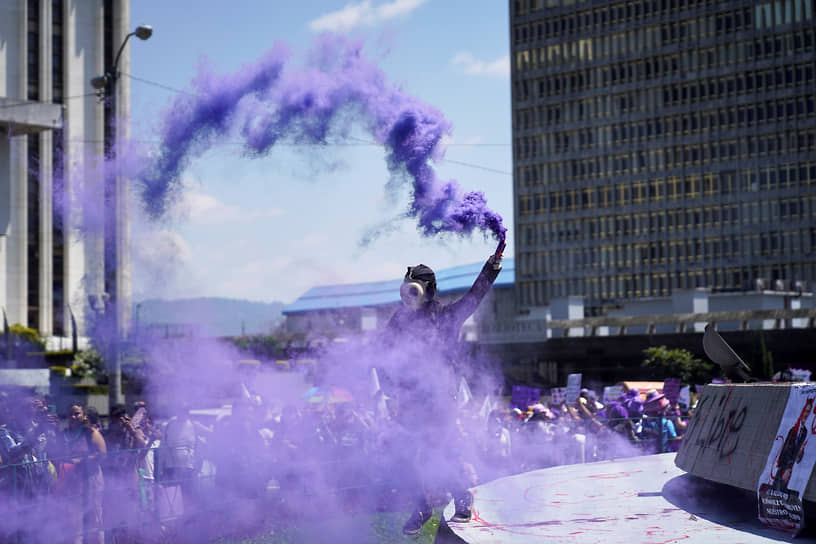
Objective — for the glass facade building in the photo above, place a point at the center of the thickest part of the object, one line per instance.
(662, 145)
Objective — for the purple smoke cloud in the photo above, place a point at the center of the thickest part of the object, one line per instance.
(340, 89)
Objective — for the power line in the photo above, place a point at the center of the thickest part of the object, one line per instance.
(334, 144)
(360, 142)
(480, 167)
(159, 85)
(460, 163)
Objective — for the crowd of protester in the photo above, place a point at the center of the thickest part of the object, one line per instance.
(130, 480)
(587, 430)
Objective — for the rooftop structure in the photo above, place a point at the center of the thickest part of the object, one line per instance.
(358, 307)
(450, 281)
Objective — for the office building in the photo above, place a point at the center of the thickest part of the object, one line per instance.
(662, 145)
(54, 127)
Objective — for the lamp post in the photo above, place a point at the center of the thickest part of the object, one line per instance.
(113, 239)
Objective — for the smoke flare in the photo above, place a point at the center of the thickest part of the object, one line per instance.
(266, 105)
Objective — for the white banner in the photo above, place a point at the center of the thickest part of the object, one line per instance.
(612, 392)
(685, 396)
(573, 387)
(790, 463)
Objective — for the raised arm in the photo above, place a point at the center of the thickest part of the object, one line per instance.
(465, 306)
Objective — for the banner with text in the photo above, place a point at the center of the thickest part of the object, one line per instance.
(790, 463)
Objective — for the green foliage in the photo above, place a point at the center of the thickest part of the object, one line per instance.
(678, 363)
(84, 389)
(262, 346)
(87, 363)
(28, 335)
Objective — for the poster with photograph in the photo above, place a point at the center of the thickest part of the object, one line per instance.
(558, 395)
(671, 389)
(790, 463)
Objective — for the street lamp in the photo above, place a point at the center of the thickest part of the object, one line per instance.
(109, 78)
(114, 240)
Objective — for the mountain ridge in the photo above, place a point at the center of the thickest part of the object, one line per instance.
(216, 316)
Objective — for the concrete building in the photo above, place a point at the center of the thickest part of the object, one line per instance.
(662, 145)
(350, 309)
(54, 127)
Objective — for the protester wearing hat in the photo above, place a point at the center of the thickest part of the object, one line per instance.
(633, 403)
(617, 418)
(657, 424)
(656, 403)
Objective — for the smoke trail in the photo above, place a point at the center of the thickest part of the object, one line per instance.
(340, 89)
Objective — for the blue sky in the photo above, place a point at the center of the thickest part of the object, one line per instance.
(269, 229)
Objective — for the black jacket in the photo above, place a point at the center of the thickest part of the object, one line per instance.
(423, 356)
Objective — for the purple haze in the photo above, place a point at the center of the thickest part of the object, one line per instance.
(266, 105)
(272, 434)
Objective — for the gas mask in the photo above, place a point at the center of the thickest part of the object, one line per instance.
(419, 286)
(413, 293)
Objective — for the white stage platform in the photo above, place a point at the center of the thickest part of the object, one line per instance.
(634, 500)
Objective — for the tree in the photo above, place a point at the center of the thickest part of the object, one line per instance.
(263, 346)
(678, 363)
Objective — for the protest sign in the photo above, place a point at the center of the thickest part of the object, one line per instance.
(523, 396)
(612, 392)
(671, 389)
(573, 387)
(790, 463)
(685, 396)
(558, 395)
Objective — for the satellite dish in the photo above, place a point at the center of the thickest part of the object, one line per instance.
(721, 353)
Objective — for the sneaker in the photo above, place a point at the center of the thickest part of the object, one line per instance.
(416, 521)
(464, 508)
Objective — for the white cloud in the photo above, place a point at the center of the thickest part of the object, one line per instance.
(476, 67)
(265, 279)
(162, 246)
(313, 240)
(363, 14)
(203, 208)
(159, 259)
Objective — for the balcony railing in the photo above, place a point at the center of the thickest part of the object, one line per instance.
(686, 322)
